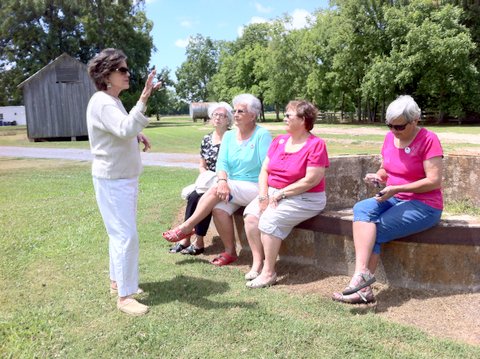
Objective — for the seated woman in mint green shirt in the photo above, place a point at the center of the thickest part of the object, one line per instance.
(238, 166)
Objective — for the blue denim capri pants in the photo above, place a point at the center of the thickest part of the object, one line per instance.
(395, 218)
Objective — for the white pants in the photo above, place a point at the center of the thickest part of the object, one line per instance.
(117, 201)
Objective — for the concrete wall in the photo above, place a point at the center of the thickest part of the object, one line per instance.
(345, 186)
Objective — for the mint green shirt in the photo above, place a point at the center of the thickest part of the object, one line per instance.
(243, 161)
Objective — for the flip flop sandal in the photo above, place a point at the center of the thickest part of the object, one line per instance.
(366, 280)
(359, 297)
(223, 259)
(176, 235)
(178, 247)
(192, 250)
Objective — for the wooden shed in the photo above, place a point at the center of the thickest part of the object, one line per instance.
(56, 99)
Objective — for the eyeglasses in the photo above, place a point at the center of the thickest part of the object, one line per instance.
(398, 127)
(123, 70)
(219, 115)
(239, 111)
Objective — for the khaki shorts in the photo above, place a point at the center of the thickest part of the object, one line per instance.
(290, 211)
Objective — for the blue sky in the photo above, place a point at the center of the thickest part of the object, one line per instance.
(177, 20)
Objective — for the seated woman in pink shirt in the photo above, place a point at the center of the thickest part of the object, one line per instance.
(410, 203)
(291, 190)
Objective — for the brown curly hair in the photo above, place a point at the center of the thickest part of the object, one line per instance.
(103, 64)
(304, 109)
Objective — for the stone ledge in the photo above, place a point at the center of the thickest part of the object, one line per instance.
(461, 230)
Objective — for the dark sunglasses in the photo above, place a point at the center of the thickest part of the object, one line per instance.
(398, 127)
(123, 70)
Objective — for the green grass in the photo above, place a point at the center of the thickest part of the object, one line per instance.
(55, 300)
(465, 206)
(181, 135)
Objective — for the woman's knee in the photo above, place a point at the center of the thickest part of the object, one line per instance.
(368, 210)
(250, 222)
(220, 213)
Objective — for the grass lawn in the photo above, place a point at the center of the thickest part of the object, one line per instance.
(55, 300)
(181, 135)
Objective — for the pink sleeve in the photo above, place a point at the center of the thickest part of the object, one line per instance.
(318, 156)
(433, 147)
(273, 147)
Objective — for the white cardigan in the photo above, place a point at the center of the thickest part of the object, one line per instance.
(112, 133)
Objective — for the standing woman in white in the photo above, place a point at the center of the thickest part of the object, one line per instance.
(114, 135)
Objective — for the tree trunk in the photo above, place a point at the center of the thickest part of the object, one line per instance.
(359, 109)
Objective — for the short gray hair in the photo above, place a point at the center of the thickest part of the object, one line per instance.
(253, 104)
(216, 105)
(404, 106)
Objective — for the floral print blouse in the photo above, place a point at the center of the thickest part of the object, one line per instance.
(209, 151)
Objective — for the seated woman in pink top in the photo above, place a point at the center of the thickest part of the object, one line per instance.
(410, 203)
(291, 190)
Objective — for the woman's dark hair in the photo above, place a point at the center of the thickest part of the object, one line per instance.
(306, 110)
(103, 64)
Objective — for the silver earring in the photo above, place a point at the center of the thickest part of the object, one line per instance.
(109, 85)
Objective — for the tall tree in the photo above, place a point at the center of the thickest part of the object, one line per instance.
(431, 56)
(34, 33)
(196, 71)
(241, 65)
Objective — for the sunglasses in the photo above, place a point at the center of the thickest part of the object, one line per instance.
(123, 70)
(289, 115)
(398, 127)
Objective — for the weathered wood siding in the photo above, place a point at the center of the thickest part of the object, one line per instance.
(56, 102)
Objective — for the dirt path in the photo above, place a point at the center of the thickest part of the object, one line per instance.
(149, 158)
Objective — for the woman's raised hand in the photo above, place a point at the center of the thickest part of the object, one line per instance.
(150, 86)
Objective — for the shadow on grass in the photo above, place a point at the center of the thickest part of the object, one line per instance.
(191, 290)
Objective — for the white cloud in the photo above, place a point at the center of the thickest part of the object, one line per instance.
(182, 42)
(253, 20)
(262, 9)
(257, 20)
(300, 19)
(186, 23)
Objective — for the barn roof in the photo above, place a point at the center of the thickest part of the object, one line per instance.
(45, 68)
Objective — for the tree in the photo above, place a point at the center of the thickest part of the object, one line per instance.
(357, 39)
(282, 70)
(196, 71)
(34, 33)
(241, 65)
(431, 56)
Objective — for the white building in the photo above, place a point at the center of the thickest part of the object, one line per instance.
(9, 114)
